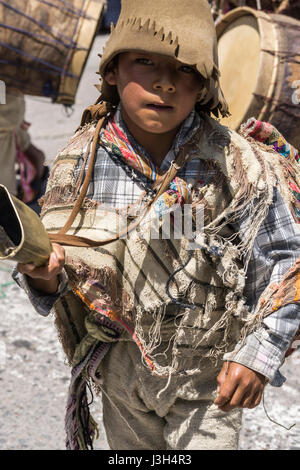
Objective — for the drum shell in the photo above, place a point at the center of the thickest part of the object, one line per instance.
(44, 45)
(274, 93)
(282, 7)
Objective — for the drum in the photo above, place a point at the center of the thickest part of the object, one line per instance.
(259, 59)
(282, 7)
(44, 45)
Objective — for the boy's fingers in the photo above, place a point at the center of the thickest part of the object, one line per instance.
(54, 261)
(59, 253)
(226, 391)
(241, 398)
(241, 394)
(223, 374)
(55, 265)
(255, 400)
(25, 268)
(59, 250)
(227, 385)
(241, 388)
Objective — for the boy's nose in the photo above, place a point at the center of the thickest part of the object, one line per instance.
(165, 84)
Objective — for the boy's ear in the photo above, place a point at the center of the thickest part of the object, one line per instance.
(111, 74)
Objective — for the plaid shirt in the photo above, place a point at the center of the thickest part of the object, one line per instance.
(276, 248)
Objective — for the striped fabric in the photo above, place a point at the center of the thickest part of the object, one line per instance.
(268, 134)
(115, 139)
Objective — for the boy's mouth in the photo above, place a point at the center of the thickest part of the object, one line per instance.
(160, 106)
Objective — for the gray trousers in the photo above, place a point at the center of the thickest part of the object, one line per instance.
(141, 413)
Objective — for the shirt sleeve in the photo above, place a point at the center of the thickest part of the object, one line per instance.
(275, 251)
(43, 304)
(264, 350)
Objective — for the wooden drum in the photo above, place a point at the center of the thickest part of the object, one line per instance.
(44, 45)
(259, 59)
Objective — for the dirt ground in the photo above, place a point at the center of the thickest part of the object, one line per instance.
(33, 375)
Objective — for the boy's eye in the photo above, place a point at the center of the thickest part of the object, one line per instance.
(143, 60)
(186, 69)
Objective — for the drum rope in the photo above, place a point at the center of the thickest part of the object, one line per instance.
(280, 105)
(73, 10)
(39, 23)
(22, 82)
(69, 55)
(284, 24)
(72, 6)
(283, 55)
(19, 51)
(15, 64)
(38, 36)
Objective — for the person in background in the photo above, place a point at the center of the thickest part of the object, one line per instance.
(23, 169)
(113, 8)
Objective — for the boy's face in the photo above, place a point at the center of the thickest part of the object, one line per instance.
(157, 93)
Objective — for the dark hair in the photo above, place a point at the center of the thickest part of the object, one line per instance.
(113, 63)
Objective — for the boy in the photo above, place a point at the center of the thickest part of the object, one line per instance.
(151, 320)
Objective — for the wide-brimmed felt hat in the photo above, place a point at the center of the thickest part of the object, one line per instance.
(180, 29)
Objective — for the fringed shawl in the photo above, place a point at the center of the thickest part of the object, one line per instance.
(127, 288)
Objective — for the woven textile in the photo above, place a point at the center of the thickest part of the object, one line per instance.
(268, 134)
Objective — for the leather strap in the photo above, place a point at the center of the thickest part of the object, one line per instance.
(73, 240)
(87, 179)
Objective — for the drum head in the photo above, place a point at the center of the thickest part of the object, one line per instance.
(239, 54)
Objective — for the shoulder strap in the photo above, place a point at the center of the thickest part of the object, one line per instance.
(95, 112)
(73, 240)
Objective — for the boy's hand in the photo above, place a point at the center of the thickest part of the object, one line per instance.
(45, 278)
(239, 387)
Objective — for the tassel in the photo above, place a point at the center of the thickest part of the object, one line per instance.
(80, 427)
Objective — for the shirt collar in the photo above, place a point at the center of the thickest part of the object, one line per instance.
(187, 130)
